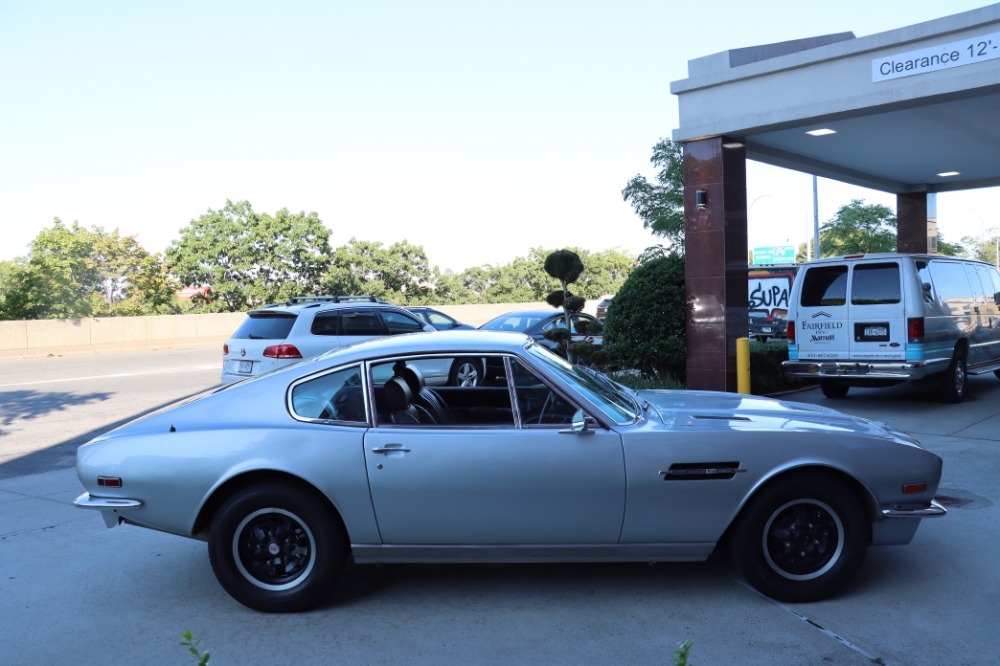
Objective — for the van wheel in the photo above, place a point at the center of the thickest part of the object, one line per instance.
(833, 389)
(997, 373)
(953, 381)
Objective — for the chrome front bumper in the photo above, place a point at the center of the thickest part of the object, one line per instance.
(108, 506)
(933, 511)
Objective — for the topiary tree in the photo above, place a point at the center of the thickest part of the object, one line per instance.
(644, 326)
(565, 266)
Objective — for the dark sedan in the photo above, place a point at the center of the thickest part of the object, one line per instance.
(536, 322)
(438, 319)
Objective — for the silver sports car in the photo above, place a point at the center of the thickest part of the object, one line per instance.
(351, 455)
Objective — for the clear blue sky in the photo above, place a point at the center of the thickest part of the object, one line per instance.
(475, 129)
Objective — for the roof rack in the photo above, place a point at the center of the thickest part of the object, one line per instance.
(330, 299)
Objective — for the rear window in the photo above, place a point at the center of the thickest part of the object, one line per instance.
(824, 286)
(875, 284)
(265, 326)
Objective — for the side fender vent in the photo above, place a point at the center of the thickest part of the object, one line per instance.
(705, 471)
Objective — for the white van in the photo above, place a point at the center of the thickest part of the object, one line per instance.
(880, 319)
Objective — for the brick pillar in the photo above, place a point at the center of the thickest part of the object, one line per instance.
(911, 222)
(715, 261)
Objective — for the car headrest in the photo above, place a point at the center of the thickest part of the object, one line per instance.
(397, 394)
(413, 378)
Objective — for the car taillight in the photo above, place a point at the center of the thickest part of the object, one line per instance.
(282, 351)
(790, 326)
(915, 329)
(225, 350)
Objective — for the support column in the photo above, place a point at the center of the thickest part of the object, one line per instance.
(715, 260)
(911, 222)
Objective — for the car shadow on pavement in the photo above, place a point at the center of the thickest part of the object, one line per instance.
(18, 406)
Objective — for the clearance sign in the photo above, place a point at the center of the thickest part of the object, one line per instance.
(944, 56)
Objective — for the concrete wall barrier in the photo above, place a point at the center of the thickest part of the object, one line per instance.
(44, 337)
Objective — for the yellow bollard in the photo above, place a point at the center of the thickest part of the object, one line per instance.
(743, 365)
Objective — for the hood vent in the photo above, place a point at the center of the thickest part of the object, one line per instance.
(717, 417)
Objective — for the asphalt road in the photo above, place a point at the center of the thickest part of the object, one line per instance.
(72, 591)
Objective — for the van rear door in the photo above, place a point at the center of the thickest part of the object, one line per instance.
(877, 321)
(822, 331)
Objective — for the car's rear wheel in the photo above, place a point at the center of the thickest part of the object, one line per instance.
(466, 372)
(802, 538)
(953, 381)
(276, 548)
(833, 389)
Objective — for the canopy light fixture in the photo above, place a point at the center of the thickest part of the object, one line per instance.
(948, 174)
(821, 132)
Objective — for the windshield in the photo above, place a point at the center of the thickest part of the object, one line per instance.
(610, 397)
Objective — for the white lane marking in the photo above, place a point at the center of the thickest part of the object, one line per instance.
(214, 366)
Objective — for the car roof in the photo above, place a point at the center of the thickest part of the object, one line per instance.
(530, 313)
(322, 305)
(445, 342)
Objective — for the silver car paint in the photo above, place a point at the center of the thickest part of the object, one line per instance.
(464, 487)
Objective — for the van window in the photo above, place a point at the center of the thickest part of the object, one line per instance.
(952, 286)
(926, 283)
(824, 285)
(875, 284)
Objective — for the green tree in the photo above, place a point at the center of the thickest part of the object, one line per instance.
(131, 280)
(983, 248)
(400, 273)
(249, 258)
(15, 287)
(645, 329)
(660, 205)
(62, 277)
(858, 228)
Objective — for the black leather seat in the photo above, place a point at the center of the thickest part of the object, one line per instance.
(428, 403)
(398, 399)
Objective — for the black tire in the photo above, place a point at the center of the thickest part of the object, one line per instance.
(466, 372)
(955, 378)
(802, 538)
(276, 548)
(833, 389)
(997, 373)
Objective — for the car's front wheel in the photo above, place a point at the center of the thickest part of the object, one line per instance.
(802, 538)
(276, 548)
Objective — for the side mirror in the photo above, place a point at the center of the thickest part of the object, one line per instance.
(581, 424)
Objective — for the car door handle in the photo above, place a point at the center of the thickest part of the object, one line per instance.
(386, 450)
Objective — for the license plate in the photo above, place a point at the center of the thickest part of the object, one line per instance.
(765, 329)
(871, 332)
(246, 367)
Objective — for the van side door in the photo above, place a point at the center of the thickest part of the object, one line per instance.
(989, 314)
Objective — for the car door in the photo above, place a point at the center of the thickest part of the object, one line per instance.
(877, 323)
(489, 477)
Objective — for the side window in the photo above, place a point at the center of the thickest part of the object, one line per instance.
(415, 393)
(325, 323)
(537, 404)
(989, 290)
(437, 319)
(875, 284)
(360, 322)
(995, 278)
(824, 285)
(952, 286)
(397, 322)
(926, 282)
(335, 396)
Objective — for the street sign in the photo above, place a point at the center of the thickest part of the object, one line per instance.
(774, 254)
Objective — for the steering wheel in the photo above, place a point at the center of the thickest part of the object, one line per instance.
(552, 402)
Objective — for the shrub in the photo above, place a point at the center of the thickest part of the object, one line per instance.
(644, 326)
